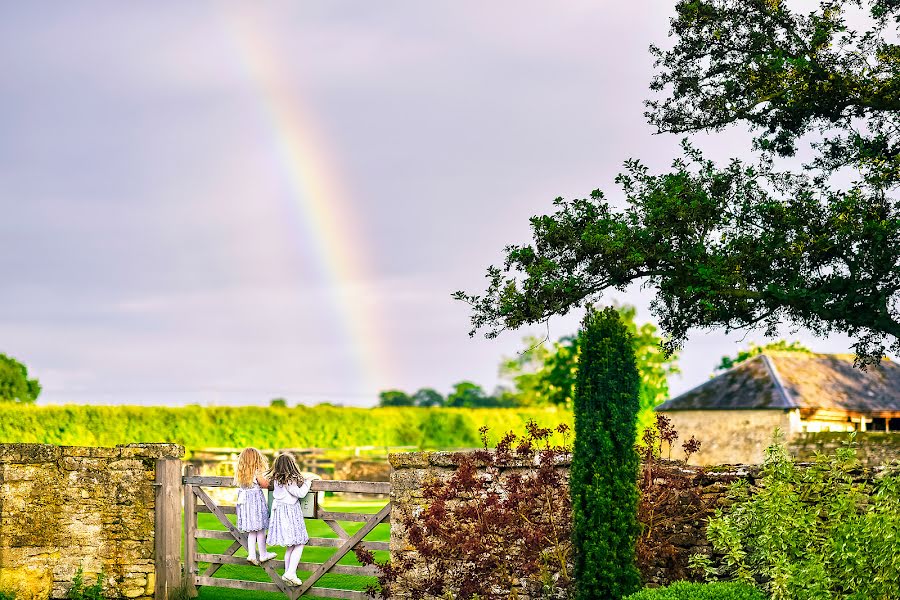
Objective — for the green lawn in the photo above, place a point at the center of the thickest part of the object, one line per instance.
(316, 528)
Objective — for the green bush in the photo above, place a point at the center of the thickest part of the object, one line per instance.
(701, 591)
(812, 532)
(604, 464)
(266, 427)
(78, 591)
(7, 595)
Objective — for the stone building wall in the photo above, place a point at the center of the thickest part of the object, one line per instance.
(729, 436)
(64, 507)
(741, 437)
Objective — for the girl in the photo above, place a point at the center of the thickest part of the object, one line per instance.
(287, 526)
(252, 511)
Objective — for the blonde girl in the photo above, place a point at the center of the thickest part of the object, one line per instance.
(252, 510)
(287, 527)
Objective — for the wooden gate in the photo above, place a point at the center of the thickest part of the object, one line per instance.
(193, 491)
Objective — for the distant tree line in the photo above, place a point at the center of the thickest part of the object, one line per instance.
(544, 373)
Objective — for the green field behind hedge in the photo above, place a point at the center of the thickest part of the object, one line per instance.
(234, 427)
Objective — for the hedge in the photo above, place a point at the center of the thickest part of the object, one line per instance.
(233, 427)
(700, 591)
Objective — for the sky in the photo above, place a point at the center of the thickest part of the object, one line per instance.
(224, 203)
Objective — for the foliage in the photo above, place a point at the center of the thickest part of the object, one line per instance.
(822, 531)
(7, 594)
(466, 394)
(79, 591)
(728, 362)
(14, 383)
(278, 403)
(474, 540)
(787, 74)
(427, 397)
(700, 591)
(739, 246)
(394, 398)
(198, 427)
(671, 499)
(546, 375)
(183, 591)
(605, 464)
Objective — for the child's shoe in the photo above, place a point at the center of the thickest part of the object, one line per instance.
(268, 556)
(253, 561)
(293, 580)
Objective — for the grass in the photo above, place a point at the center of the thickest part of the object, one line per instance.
(316, 528)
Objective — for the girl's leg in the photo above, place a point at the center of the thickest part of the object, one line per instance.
(261, 543)
(251, 545)
(287, 559)
(296, 555)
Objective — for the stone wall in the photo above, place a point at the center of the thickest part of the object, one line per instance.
(64, 507)
(412, 471)
(873, 448)
(685, 531)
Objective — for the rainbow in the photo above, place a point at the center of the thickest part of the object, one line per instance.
(316, 198)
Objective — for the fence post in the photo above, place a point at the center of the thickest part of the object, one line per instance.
(167, 526)
(190, 527)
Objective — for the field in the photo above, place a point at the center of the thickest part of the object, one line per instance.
(310, 554)
(198, 427)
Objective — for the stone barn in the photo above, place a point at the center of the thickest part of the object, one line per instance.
(736, 413)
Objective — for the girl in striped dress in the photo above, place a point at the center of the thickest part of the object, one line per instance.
(287, 527)
(252, 510)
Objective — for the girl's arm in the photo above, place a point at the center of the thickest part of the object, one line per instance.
(299, 491)
(262, 481)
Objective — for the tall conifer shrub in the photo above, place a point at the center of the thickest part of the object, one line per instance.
(605, 464)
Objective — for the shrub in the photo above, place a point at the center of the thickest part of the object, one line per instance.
(827, 530)
(490, 530)
(605, 464)
(7, 595)
(671, 501)
(78, 591)
(701, 591)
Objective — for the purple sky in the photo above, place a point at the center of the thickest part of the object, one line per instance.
(149, 252)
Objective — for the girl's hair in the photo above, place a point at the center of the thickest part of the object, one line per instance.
(250, 463)
(285, 471)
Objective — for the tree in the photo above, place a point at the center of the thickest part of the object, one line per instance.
(278, 403)
(544, 374)
(739, 246)
(466, 394)
(14, 383)
(728, 362)
(604, 463)
(394, 398)
(427, 397)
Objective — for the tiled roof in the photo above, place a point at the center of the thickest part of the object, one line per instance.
(782, 380)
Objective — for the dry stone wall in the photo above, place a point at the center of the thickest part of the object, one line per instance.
(64, 507)
(873, 448)
(412, 471)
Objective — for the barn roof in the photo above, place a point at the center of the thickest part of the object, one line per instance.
(786, 380)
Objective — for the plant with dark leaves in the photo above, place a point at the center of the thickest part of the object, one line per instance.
(499, 525)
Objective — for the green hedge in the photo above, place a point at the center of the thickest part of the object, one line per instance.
(234, 427)
(700, 591)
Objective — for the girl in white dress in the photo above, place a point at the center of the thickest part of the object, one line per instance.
(252, 510)
(286, 526)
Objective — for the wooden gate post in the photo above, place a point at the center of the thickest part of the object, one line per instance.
(167, 527)
(190, 528)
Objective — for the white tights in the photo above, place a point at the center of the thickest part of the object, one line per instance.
(256, 539)
(292, 555)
